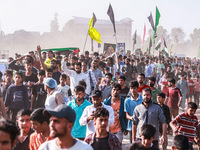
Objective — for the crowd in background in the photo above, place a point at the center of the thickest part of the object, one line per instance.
(101, 99)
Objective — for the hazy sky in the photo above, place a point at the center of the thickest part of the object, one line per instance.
(36, 15)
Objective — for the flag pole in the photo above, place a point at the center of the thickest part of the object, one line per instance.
(85, 42)
(92, 47)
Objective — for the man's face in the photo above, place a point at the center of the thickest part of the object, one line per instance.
(84, 66)
(146, 96)
(127, 61)
(5, 141)
(24, 123)
(50, 55)
(147, 142)
(94, 64)
(49, 74)
(38, 127)
(121, 82)
(151, 83)
(140, 79)
(191, 111)
(58, 127)
(134, 90)
(101, 122)
(62, 80)
(53, 65)
(168, 69)
(8, 78)
(79, 96)
(41, 77)
(115, 92)
(160, 99)
(108, 78)
(77, 69)
(96, 101)
(28, 66)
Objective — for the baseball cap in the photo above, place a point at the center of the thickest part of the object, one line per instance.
(62, 111)
(50, 82)
(96, 93)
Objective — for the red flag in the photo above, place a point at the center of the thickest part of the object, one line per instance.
(144, 34)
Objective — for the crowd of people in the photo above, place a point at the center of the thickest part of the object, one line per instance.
(92, 101)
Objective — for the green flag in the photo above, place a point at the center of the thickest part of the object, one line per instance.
(158, 45)
(165, 51)
(198, 55)
(156, 23)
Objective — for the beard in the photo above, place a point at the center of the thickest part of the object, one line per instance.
(147, 100)
(53, 67)
(54, 133)
(78, 72)
(151, 85)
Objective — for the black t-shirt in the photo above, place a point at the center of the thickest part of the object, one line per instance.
(124, 92)
(40, 93)
(101, 143)
(31, 78)
(56, 76)
(138, 146)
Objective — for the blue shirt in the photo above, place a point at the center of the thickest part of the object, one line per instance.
(129, 106)
(148, 71)
(78, 131)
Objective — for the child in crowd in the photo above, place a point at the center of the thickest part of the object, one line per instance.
(16, 97)
(39, 94)
(160, 100)
(64, 88)
(180, 142)
(183, 86)
(147, 136)
(186, 123)
(191, 88)
(196, 90)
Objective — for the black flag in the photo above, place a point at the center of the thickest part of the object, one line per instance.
(134, 37)
(150, 45)
(111, 15)
(94, 19)
(150, 18)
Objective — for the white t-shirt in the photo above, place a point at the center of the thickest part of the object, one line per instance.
(51, 145)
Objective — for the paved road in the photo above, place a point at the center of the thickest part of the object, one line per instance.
(126, 145)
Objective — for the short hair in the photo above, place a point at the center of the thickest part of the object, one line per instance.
(63, 76)
(109, 74)
(148, 131)
(181, 142)
(50, 51)
(31, 52)
(23, 112)
(82, 83)
(79, 88)
(41, 73)
(74, 58)
(53, 60)
(20, 74)
(30, 57)
(161, 94)
(8, 72)
(141, 74)
(147, 90)
(117, 73)
(87, 53)
(10, 128)
(192, 105)
(116, 85)
(49, 70)
(101, 112)
(28, 61)
(123, 78)
(172, 81)
(37, 115)
(78, 64)
(134, 83)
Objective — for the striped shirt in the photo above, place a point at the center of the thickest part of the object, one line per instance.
(186, 125)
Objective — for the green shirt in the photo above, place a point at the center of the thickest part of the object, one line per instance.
(154, 94)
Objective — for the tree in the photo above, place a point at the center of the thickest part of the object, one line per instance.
(177, 35)
(195, 36)
(54, 24)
